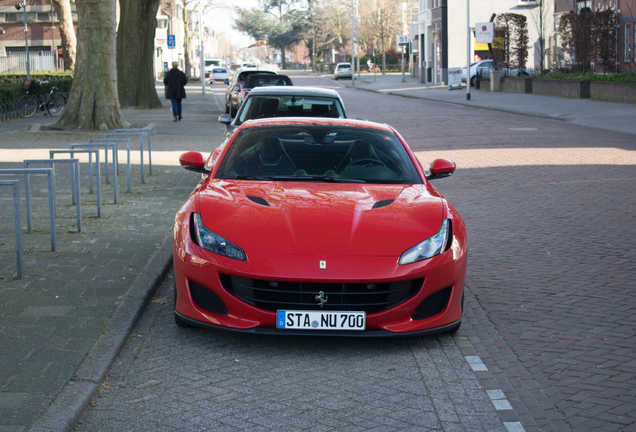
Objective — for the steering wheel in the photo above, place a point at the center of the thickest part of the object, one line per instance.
(364, 161)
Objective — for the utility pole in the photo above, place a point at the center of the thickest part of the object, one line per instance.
(26, 38)
(202, 73)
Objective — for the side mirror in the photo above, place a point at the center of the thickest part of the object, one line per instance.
(193, 161)
(441, 168)
(226, 119)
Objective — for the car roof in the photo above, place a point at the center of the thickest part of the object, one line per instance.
(294, 90)
(274, 121)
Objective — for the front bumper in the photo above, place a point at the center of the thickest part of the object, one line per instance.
(197, 267)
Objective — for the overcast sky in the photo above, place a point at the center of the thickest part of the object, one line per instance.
(221, 21)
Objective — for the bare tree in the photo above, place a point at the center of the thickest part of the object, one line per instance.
(93, 103)
(67, 31)
(384, 20)
(135, 53)
(540, 17)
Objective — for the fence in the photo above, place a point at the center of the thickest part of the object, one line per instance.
(38, 61)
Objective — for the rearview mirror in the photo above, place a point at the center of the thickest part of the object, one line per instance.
(441, 168)
(193, 161)
(226, 119)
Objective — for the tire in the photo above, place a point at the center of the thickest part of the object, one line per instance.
(27, 105)
(472, 81)
(233, 112)
(55, 105)
(227, 109)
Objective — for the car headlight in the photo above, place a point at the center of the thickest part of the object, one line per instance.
(213, 242)
(430, 247)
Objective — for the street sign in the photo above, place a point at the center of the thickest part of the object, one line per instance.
(403, 40)
(172, 42)
(485, 32)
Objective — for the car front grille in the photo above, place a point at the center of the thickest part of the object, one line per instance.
(274, 295)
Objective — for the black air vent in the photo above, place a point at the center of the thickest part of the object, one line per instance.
(258, 200)
(382, 203)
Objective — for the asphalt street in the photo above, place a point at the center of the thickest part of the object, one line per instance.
(547, 341)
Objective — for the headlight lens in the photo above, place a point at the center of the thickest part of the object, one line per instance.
(430, 247)
(213, 242)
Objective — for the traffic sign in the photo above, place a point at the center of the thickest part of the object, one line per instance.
(403, 40)
(172, 42)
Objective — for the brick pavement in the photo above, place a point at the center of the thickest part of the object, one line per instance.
(549, 210)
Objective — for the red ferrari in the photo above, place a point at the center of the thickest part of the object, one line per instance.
(318, 226)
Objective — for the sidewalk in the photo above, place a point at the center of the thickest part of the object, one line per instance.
(605, 115)
(63, 325)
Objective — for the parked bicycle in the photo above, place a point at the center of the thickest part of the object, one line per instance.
(28, 104)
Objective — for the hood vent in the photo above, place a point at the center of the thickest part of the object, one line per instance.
(382, 203)
(258, 200)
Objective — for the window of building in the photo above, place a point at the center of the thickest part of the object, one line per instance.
(44, 16)
(10, 17)
(626, 42)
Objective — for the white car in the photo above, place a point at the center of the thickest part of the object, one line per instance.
(343, 70)
(219, 74)
(483, 68)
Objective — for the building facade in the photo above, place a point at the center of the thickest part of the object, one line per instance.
(43, 35)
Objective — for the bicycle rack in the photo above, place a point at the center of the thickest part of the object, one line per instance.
(18, 223)
(105, 147)
(115, 141)
(52, 154)
(75, 183)
(147, 131)
(51, 178)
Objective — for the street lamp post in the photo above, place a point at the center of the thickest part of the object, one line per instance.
(26, 38)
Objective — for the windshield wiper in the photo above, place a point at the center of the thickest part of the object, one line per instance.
(328, 179)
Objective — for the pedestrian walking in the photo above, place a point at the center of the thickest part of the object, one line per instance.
(176, 81)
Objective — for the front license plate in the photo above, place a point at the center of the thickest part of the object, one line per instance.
(320, 320)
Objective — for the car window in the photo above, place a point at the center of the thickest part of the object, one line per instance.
(318, 153)
(219, 71)
(344, 66)
(256, 107)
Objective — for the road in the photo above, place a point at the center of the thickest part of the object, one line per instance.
(550, 308)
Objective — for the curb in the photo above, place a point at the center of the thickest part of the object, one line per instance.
(69, 405)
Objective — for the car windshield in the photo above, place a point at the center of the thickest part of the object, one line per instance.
(219, 71)
(344, 66)
(257, 107)
(318, 153)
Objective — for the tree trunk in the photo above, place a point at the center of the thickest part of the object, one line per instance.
(187, 38)
(67, 31)
(282, 60)
(93, 102)
(135, 54)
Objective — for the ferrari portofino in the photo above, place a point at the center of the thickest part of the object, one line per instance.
(318, 226)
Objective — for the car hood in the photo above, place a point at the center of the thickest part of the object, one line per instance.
(319, 218)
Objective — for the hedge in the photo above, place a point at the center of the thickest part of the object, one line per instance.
(11, 84)
(621, 77)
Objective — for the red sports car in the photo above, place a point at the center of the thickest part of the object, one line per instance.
(318, 226)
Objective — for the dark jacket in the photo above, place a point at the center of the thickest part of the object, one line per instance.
(176, 81)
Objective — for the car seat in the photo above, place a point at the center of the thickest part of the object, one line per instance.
(360, 149)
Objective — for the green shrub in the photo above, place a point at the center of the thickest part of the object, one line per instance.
(11, 84)
(624, 77)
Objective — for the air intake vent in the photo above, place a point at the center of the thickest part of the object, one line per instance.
(258, 200)
(382, 203)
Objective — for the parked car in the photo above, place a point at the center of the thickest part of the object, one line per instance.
(284, 101)
(219, 74)
(484, 67)
(235, 87)
(343, 70)
(260, 80)
(209, 64)
(318, 226)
